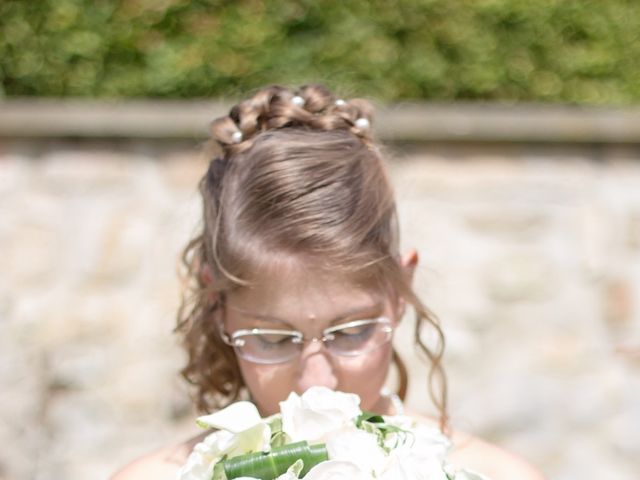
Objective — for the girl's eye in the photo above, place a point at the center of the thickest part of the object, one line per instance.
(272, 340)
(354, 332)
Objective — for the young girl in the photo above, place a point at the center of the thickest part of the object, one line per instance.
(296, 277)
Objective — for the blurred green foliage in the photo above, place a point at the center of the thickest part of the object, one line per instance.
(571, 51)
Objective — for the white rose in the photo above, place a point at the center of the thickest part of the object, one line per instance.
(204, 455)
(242, 431)
(218, 444)
(409, 467)
(336, 470)
(419, 454)
(423, 440)
(469, 475)
(317, 413)
(358, 447)
(286, 476)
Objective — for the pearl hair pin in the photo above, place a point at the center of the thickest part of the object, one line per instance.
(298, 100)
(362, 123)
(236, 137)
(340, 103)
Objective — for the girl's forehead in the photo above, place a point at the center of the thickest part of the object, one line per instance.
(305, 293)
(291, 274)
(304, 284)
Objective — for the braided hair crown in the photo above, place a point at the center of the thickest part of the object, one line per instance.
(311, 106)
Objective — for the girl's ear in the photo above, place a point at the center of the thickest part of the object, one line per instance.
(408, 262)
(205, 275)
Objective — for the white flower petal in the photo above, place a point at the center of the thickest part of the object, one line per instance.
(469, 475)
(317, 413)
(235, 418)
(423, 438)
(255, 439)
(358, 447)
(336, 470)
(206, 453)
(413, 468)
(322, 399)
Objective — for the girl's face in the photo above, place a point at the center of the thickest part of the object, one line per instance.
(298, 300)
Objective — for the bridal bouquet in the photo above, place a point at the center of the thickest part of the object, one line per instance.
(320, 435)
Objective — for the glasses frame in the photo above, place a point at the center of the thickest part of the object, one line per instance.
(236, 341)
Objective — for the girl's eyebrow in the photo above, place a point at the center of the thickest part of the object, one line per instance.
(361, 309)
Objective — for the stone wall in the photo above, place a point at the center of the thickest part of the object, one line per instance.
(530, 255)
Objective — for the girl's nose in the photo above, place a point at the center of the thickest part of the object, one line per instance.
(315, 368)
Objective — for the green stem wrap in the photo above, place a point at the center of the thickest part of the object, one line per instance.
(267, 466)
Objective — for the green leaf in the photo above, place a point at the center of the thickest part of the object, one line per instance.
(267, 466)
(369, 417)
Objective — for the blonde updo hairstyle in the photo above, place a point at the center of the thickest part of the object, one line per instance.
(298, 174)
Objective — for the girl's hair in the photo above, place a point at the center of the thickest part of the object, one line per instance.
(298, 176)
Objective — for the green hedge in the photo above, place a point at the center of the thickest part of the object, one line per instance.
(571, 51)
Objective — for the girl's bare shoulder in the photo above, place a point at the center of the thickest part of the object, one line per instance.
(496, 463)
(161, 464)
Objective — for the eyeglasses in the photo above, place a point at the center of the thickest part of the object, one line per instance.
(270, 346)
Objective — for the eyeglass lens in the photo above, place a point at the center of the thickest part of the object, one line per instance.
(354, 338)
